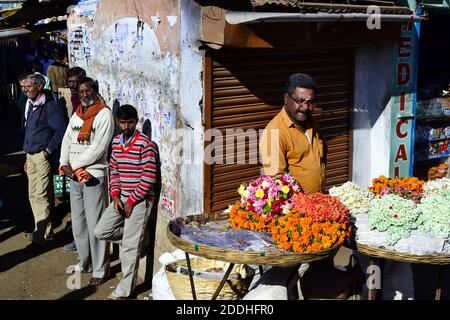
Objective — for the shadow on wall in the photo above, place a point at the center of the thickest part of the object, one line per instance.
(149, 249)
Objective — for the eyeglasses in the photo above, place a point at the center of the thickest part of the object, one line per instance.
(299, 101)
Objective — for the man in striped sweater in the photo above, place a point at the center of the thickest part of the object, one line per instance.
(133, 175)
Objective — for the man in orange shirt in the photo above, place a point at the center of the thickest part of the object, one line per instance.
(291, 142)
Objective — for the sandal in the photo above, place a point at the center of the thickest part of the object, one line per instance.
(96, 281)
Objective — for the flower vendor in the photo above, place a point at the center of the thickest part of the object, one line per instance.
(291, 142)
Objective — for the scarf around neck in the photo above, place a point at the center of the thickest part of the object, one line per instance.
(88, 119)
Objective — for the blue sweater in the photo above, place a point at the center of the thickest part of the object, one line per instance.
(44, 129)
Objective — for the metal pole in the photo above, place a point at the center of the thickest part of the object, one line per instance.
(191, 278)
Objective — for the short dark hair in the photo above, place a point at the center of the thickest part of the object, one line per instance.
(90, 81)
(126, 112)
(76, 72)
(300, 80)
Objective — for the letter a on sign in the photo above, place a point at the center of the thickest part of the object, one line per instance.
(401, 153)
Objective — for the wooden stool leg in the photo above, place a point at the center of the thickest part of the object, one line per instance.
(439, 284)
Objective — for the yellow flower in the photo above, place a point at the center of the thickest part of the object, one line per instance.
(269, 203)
(285, 189)
(259, 193)
(279, 182)
(241, 190)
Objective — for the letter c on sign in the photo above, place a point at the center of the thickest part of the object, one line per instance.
(399, 127)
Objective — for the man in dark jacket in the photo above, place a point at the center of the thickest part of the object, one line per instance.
(44, 130)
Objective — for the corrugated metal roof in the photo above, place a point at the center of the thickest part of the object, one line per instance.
(337, 6)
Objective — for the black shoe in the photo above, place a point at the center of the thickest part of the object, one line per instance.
(35, 248)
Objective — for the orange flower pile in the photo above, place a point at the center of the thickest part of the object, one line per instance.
(409, 187)
(321, 208)
(297, 233)
(241, 219)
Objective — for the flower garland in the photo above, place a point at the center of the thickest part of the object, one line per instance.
(395, 215)
(434, 187)
(263, 200)
(241, 219)
(356, 199)
(294, 232)
(409, 188)
(435, 209)
(321, 208)
(266, 195)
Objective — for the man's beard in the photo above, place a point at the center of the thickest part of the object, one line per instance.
(307, 113)
(87, 103)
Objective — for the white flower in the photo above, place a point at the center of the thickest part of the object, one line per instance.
(395, 215)
(265, 184)
(356, 199)
(246, 194)
(436, 213)
(434, 187)
(286, 208)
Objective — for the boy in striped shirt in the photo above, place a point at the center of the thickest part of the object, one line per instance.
(133, 174)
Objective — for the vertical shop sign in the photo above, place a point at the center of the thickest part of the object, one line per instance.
(403, 101)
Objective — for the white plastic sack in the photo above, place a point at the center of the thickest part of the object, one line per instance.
(160, 285)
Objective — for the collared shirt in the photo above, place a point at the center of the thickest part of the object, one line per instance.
(33, 105)
(295, 149)
(124, 143)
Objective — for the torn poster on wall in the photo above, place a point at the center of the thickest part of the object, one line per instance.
(79, 45)
(131, 68)
(87, 8)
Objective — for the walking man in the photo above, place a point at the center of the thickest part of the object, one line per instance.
(133, 174)
(44, 131)
(83, 159)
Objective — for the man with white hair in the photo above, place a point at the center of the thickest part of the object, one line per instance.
(44, 131)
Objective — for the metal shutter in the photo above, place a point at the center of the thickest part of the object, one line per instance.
(244, 89)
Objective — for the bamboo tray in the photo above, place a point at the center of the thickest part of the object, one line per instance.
(436, 259)
(279, 258)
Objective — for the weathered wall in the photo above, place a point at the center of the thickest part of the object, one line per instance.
(372, 113)
(146, 54)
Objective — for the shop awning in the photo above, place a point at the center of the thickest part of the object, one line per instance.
(5, 13)
(335, 6)
(442, 4)
(13, 32)
(33, 11)
(238, 17)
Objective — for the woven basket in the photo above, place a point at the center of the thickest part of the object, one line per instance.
(278, 258)
(436, 259)
(235, 288)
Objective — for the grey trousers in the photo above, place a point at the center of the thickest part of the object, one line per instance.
(88, 202)
(114, 227)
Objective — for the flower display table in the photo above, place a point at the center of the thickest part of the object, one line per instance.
(271, 256)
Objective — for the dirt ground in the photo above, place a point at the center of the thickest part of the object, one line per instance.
(40, 276)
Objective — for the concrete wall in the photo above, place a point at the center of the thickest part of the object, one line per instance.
(147, 56)
(372, 113)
